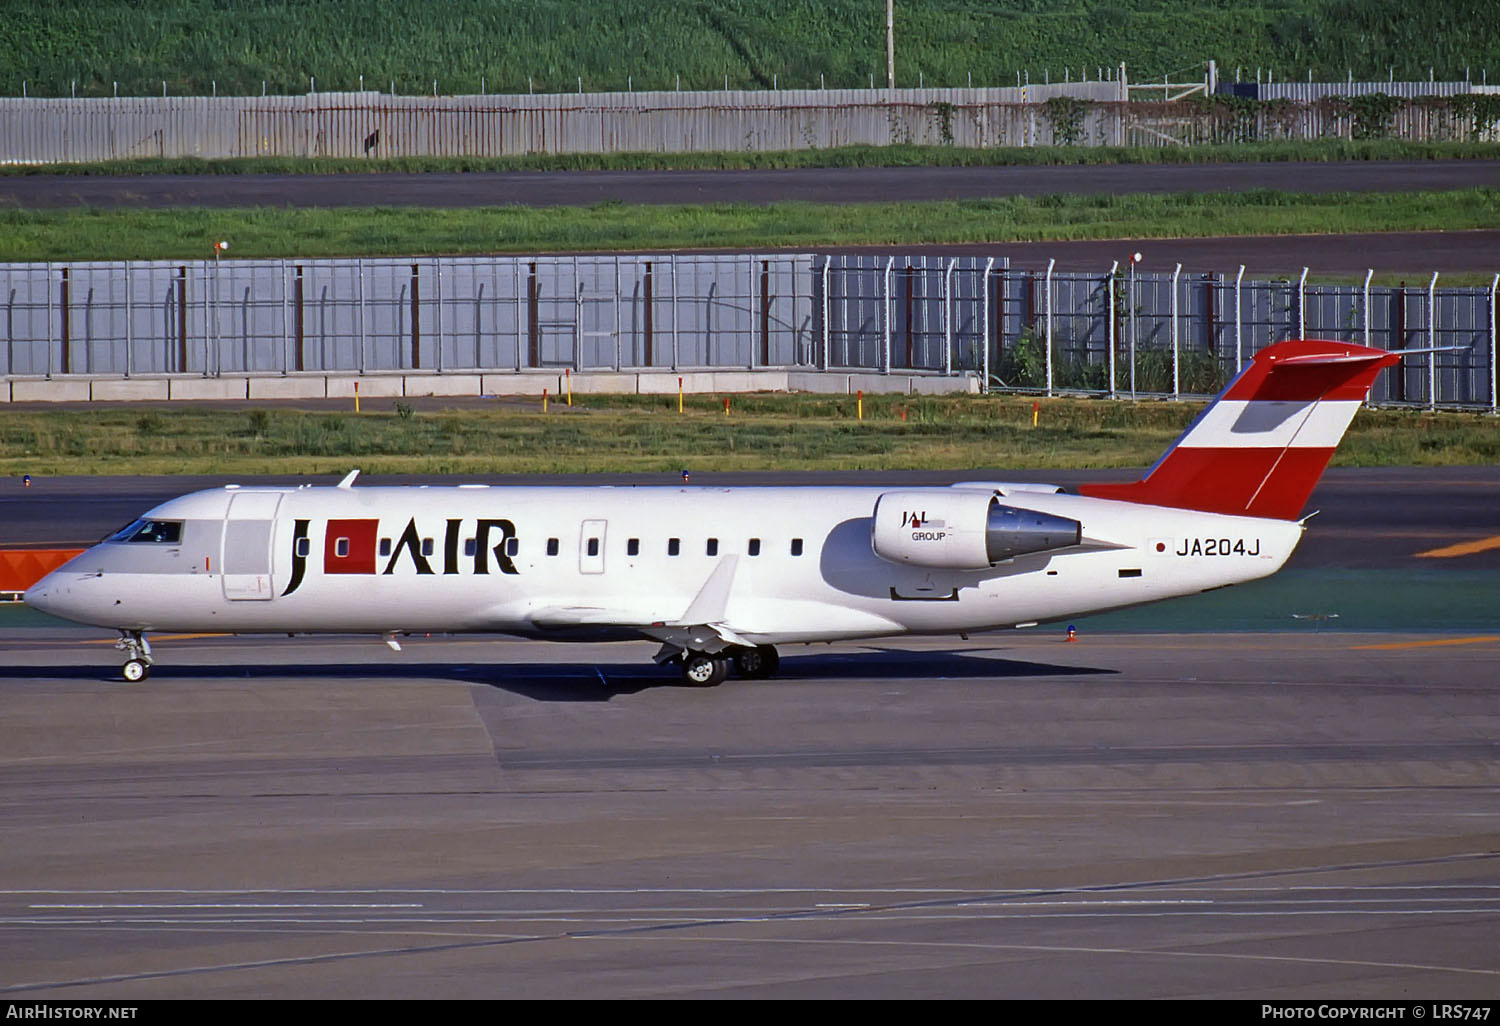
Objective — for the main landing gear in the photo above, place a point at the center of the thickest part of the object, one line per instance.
(705, 669)
(137, 656)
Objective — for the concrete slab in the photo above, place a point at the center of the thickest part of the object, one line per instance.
(58, 390)
(370, 386)
(605, 383)
(665, 382)
(441, 384)
(519, 384)
(818, 382)
(116, 390)
(304, 386)
(198, 387)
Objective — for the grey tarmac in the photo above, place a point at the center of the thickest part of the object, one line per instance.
(1284, 815)
(811, 185)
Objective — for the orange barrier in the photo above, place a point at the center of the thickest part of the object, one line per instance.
(21, 568)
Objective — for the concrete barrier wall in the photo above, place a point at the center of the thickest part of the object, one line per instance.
(396, 386)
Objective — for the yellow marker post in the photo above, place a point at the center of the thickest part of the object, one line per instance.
(356, 397)
(1036, 409)
(679, 395)
(568, 377)
(859, 405)
(544, 400)
(726, 406)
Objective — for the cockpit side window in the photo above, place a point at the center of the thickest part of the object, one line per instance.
(162, 532)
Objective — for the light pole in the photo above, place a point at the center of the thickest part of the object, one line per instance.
(1135, 258)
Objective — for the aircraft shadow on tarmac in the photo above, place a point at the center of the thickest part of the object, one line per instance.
(590, 682)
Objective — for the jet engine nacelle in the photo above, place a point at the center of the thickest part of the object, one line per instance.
(951, 529)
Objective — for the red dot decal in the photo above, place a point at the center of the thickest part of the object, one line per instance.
(1161, 547)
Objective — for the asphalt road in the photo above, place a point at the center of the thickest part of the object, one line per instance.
(1368, 517)
(1276, 816)
(815, 185)
(1284, 815)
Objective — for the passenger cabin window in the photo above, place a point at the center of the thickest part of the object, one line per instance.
(633, 547)
(426, 546)
(551, 546)
(713, 546)
(593, 546)
(163, 532)
(385, 546)
(469, 546)
(341, 547)
(796, 546)
(754, 547)
(303, 547)
(512, 546)
(674, 546)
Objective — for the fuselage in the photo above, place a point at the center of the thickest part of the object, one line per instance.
(604, 562)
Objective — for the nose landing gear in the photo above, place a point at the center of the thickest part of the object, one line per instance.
(137, 656)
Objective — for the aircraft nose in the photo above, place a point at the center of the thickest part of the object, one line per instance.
(44, 595)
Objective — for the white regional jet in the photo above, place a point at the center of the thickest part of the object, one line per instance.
(722, 576)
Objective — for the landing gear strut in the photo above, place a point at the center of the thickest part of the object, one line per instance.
(137, 656)
(704, 669)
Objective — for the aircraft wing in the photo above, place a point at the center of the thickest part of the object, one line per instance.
(702, 627)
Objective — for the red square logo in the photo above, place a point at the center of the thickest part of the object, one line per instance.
(349, 546)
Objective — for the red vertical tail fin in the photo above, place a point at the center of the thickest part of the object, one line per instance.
(1260, 447)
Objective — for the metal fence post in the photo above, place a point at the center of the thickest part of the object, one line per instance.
(206, 329)
(359, 266)
(1109, 286)
(885, 307)
(1176, 348)
(827, 262)
(984, 287)
(286, 335)
(1369, 273)
(1494, 349)
(47, 291)
(1130, 310)
(1048, 313)
(1239, 338)
(1432, 342)
(948, 317)
(674, 311)
(437, 269)
(1302, 305)
(128, 332)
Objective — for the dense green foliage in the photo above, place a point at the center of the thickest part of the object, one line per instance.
(194, 46)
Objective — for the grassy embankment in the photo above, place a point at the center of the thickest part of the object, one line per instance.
(196, 46)
(118, 234)
(896, 155)
(763, 432)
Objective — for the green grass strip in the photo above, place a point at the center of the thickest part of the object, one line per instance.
(763, 432)
(1317, 151)
(134, 234)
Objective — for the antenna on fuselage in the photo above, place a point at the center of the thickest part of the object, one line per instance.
(348, 481)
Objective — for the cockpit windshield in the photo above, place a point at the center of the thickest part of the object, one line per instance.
(164, 532)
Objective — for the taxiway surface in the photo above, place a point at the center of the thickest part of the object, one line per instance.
(1304, 813)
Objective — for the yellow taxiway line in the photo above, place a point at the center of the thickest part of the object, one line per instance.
(1462, 548)
(1482, 639)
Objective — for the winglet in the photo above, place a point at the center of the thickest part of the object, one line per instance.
(348, 481)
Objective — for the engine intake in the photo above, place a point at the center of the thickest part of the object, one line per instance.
(957, 530)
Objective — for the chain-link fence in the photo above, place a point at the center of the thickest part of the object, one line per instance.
(1115, 332)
